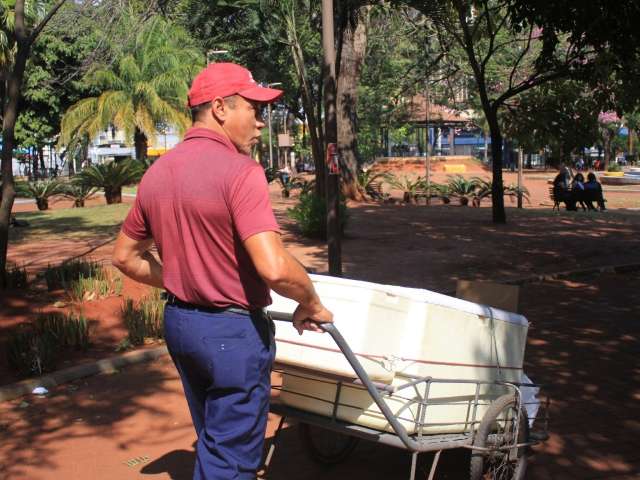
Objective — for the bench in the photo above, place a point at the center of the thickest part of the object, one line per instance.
(374, 190)
(422, 193)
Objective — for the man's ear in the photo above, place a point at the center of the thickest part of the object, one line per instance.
(219, 109)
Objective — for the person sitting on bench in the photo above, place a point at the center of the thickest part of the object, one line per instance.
(593, 192)
(561, 190)
(578, 191)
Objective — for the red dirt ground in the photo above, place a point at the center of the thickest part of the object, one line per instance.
(582, 344)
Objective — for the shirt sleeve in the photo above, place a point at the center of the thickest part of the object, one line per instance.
(250, 205)
(135, 225)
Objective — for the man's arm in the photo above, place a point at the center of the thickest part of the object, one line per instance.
(132, 257)
(284, 274)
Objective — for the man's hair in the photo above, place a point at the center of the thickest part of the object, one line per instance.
(197, 110)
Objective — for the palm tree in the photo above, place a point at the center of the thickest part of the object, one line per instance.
(79, 193)
(41, 191)
(146, 85)
(111, 177)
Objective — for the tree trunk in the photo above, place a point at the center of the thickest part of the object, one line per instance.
(353, 45)
(140, 142)
(10, 114)
(42, 203)
(607, 140)
(113, 195)
(497, 189)
(43, 167)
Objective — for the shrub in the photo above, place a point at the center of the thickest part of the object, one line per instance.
(111, 177)
(68, 331)
(30, 353)
(62, 275)
(310, 214)
(103, 283)
(41, 191)
(144, 319)
(35, 349)
(16, 277)
(79, 193)
(614, 167)
(462, 188)
(408, 186)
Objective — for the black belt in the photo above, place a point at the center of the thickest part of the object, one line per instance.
(173, 300)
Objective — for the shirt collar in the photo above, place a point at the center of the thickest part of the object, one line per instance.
(201, 132)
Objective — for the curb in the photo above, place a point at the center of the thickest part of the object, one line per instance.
(107, 365)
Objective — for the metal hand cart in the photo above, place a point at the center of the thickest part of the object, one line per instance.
(499, 441)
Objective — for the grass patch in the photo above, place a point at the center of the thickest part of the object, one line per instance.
(130, 189)
(83, 279)
(144, 319)
(70, 223)
(35, 349)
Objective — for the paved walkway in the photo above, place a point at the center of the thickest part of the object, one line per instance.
(583, 343)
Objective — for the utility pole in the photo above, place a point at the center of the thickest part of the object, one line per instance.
(332, 164)
(520, 186)
(427, 137)
(269, 120)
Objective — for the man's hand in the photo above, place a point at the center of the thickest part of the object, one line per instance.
(305, 318)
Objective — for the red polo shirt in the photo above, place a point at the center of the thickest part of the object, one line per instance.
(199, 202)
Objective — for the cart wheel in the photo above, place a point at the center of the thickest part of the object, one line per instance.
(326, 446)
(497, 428)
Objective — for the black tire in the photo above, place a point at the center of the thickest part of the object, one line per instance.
(326, 446)
(500, 465)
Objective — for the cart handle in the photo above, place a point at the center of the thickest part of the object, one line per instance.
(344, 347)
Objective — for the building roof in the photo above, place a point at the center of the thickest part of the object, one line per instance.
(414, 111)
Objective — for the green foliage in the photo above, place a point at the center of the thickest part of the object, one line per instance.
(100, 284)
(144, 319)
(146, 85)
(484, 187)
(41, 191)
(16, 277)
(35, 349)
(111, 177)
(408, 185)
(310, 214)
(79, 193)
(462, 188)
(614, 167)
(63, 275)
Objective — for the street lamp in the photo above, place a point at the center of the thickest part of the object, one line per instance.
(214, 52)
(269, 85)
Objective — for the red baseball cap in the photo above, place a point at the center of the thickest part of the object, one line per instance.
(224, 79)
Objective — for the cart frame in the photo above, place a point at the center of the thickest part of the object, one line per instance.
(515, 446)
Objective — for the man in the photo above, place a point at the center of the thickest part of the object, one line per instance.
(206, 206)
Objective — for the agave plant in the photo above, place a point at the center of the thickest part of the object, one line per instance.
(484, 188)
(79, 192)
(111, 177)
(462, 188)
(367, 180)
(41, 191)
(408, 186)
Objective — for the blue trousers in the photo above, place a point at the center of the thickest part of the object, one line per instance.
(224, 361)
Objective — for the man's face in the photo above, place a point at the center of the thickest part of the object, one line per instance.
(243, 123)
